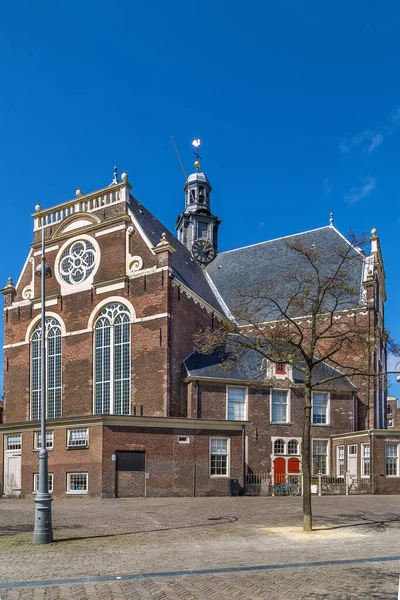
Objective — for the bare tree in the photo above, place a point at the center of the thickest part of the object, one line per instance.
(316, 313)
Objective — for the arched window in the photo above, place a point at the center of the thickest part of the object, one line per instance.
(279, 447)
(293, 447)
(53, 371)
(113, 361)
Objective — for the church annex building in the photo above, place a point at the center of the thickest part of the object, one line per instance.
(132, 409)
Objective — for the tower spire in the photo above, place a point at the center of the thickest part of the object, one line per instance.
(197, 221)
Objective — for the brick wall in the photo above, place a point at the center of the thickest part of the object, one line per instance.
(259, 430)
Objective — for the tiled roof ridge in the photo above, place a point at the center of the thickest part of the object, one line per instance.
(283, 237)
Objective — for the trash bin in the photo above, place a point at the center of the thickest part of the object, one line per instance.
(234, 488)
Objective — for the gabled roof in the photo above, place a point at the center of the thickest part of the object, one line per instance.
(251, 368)
(252, 266)
(184, 267)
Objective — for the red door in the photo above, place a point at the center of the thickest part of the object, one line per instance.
(293, 465)
(280, 471)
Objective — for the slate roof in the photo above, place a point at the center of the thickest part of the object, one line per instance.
(250, 368)
(184, 267)
(252, 266)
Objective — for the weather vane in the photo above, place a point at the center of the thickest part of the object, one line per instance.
(196, 144)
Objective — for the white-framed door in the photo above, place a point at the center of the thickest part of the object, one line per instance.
(12, 465)
(352, 460)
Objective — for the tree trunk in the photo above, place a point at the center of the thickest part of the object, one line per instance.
(306, 455)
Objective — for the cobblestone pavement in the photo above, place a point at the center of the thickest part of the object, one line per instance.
(159, 547)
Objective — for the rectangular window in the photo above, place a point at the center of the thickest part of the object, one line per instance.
(49, 440)
(219, 457)
(14, 442)
(340, 461)
(183, 439)
(320, 457)
(392, 460)
(320, 408)
(36, 483)
(236, 403)
(365, 460)
(202, 230)
(77, 483)
(78, 438)
(280, 368)
(279, 406)
(390, 422)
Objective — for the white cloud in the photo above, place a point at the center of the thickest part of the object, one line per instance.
(367, 140)
(326, 187)
(356, 194)
(376, 141)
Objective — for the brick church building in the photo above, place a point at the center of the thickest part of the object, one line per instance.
(132, 409)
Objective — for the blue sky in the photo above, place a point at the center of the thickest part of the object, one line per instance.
(297, 105)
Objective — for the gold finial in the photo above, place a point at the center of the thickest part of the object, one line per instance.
(196, 144)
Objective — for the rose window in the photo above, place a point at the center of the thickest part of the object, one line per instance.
(77, 262)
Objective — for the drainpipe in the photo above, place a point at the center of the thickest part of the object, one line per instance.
(244, 473)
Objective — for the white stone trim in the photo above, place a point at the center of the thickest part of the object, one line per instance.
(35, 320)
(110, 300)
(15, 345)
(47, 250)
(23, 269)
(109, 230)
(152, 318)
(218, 296)
(110, 288)
(140, 230)
(51, 302)
(67, 289)
(17, 304)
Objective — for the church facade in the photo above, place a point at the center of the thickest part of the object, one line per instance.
(132, 409)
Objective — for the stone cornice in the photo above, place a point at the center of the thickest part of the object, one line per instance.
(125, 421)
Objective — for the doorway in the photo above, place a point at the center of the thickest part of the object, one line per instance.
(130, 475)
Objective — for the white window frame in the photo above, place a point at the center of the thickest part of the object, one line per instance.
(287, 407)
(327, 455)
(19, 445)
(79, 492)
(183, 439)
(240, 387)
(36, 481)
(390, 422)
(112, 351)
(36, 440)
(228, 457)
(328, 409)
(338, 474)
(48, 327)
(85, 445)
(369, 460)
(397, 460)
(271, 370)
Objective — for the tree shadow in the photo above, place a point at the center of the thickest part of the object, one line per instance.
(377, 524)
(223, 520)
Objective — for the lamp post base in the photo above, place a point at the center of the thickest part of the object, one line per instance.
(43, 531)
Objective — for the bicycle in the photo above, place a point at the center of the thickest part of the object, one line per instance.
(288, 489)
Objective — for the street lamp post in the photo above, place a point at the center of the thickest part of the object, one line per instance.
(43, 530)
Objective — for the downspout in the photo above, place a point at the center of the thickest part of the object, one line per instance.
(244, 469)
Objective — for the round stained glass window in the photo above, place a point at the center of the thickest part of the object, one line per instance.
(77, 262)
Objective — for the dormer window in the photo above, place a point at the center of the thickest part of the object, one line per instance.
(280, 368)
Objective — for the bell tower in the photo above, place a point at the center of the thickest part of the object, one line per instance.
(197, 221)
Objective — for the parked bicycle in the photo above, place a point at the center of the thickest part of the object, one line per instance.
(287, 489)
